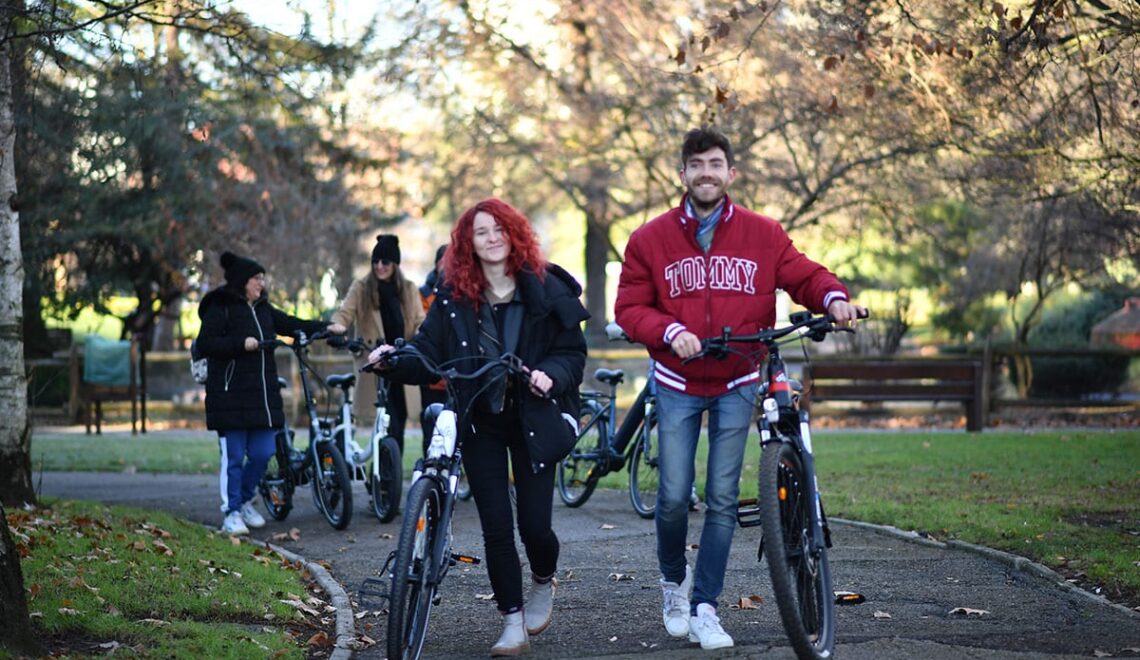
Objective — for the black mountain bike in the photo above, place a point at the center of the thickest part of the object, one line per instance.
(602, 449)
(322, 463)
(423, 554)
(788, 507)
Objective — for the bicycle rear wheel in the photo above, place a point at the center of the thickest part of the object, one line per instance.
(332, 487)
(578, 473)
(387, 485)
(276, 487)
(411, 598)
(643, 470)
(801, 576)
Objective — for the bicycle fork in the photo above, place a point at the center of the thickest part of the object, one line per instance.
(748, 510)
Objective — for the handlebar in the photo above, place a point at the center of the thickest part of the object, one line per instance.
(817, 328)
(301, 340)
(354, 345)
(509, 361)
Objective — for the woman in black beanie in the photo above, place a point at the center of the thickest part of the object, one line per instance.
(385, 306)
(243, 402)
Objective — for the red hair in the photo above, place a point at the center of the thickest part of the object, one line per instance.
(461, 267)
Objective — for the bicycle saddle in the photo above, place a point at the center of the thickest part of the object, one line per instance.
(610, 376)
(343, 381)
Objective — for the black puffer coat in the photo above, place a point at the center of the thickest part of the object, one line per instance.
(241, 388)
(550, 340)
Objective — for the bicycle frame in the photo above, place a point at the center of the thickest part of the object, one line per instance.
(780, 412)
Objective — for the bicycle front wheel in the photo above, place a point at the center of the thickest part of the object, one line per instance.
(332, 487)
(276, 486)
(578, 473)
(801, 576)
(412, 594)
(643, 471)
(386, 485)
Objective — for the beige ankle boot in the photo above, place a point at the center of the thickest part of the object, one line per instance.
(539, 605)
(514, 640)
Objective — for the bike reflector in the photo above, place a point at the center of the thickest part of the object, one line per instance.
(848, 598)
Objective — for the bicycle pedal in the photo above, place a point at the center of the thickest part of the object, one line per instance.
(373, 593)
(748, 513)
(466, 559)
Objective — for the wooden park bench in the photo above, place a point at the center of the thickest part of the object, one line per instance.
(914, 379)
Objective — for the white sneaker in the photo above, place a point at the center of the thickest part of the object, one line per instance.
(234, 525)
(705, 628)
(250, 516)
(675, 611)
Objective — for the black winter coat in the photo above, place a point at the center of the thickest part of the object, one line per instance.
(241, 385)
(551, 340)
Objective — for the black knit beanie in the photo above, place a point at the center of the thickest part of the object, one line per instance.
(239, 269)
(387, 247)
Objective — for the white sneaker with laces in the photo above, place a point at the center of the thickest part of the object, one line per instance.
(705, 628)
(234, 525)
(675, 610)
(250, 516)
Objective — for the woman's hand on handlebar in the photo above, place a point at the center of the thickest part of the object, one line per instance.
(337, 328)
(376, 360)
(540, 383)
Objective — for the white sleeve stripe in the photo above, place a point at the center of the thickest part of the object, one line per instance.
(672, 330)
(832, 296)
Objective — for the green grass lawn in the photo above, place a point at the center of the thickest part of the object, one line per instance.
(1070, 500)
(123, 581)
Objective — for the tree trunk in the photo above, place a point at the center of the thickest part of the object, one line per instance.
(597, 254)
(15, 466)
(16, 634)
(15, 439)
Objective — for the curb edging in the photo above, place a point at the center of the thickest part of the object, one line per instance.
(345, 625)
(1016, 562)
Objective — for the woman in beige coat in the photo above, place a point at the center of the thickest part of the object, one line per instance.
(385, 306)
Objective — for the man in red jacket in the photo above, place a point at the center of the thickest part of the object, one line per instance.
(687, 273)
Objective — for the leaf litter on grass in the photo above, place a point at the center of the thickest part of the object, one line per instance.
(97, 577)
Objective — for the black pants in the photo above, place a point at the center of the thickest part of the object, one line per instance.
(397, 414)
(485, 454)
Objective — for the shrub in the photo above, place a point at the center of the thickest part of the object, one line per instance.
(1069, 326)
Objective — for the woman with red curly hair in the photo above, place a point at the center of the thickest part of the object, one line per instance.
(499, 295)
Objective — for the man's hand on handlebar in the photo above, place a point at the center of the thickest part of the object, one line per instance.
(686, 345)
(846, 313)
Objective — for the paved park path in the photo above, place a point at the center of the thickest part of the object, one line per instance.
(608, 604)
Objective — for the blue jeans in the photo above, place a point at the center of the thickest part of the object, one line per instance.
(238, 478)
(679, 416)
